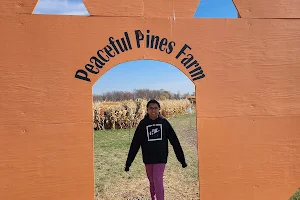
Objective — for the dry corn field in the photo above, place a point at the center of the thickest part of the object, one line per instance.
(127, 114)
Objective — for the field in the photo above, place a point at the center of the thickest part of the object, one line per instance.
(112, 182)
(127, 114)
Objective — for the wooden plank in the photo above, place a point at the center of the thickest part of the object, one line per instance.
(268, 8)
(51, 161)
(155, 8)
(107, 8)
(249, 157)
(171, 8)
(268, 65)
(252, 72)
(255, 74)
(17, 7)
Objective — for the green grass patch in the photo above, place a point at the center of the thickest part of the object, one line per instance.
(296, 196)
(112, 182)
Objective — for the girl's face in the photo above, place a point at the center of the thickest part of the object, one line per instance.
(153, 110)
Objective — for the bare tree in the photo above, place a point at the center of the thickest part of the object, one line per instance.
(138, 93)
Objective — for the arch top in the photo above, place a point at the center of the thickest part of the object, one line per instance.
(17, 7)
(268, 8)
(142, 8)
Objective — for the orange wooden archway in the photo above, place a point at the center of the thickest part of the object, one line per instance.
(248, 103)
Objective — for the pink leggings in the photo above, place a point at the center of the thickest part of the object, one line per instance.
(155, 173)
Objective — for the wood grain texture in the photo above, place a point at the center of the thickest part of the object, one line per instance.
(249, 157)
(47, 161)
(248, 104)
(17, 7)
(268, 8)
(155, 8)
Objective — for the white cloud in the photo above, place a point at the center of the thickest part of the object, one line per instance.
(61, 7)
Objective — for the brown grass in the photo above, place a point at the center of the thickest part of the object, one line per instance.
(127, 114)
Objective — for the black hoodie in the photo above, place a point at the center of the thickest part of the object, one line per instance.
(153, 136)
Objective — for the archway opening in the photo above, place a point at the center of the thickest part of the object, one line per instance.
(120, 98)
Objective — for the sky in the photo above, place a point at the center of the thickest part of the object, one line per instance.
(162, 75)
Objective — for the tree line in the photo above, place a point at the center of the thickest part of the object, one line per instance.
(138, 93)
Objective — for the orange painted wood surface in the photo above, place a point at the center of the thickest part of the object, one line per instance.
(251, 157)
(154, 8)
(248, 104)
(167, 8)
(268, 8)
(17, 7)
(46, 161)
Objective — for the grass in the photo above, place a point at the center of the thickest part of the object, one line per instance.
(112, 182)
(296, 196)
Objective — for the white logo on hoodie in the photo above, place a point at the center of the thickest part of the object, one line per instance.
(154, 132)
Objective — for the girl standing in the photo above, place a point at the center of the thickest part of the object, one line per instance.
(152, 135)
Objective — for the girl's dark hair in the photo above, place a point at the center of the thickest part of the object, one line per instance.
(153, 101)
